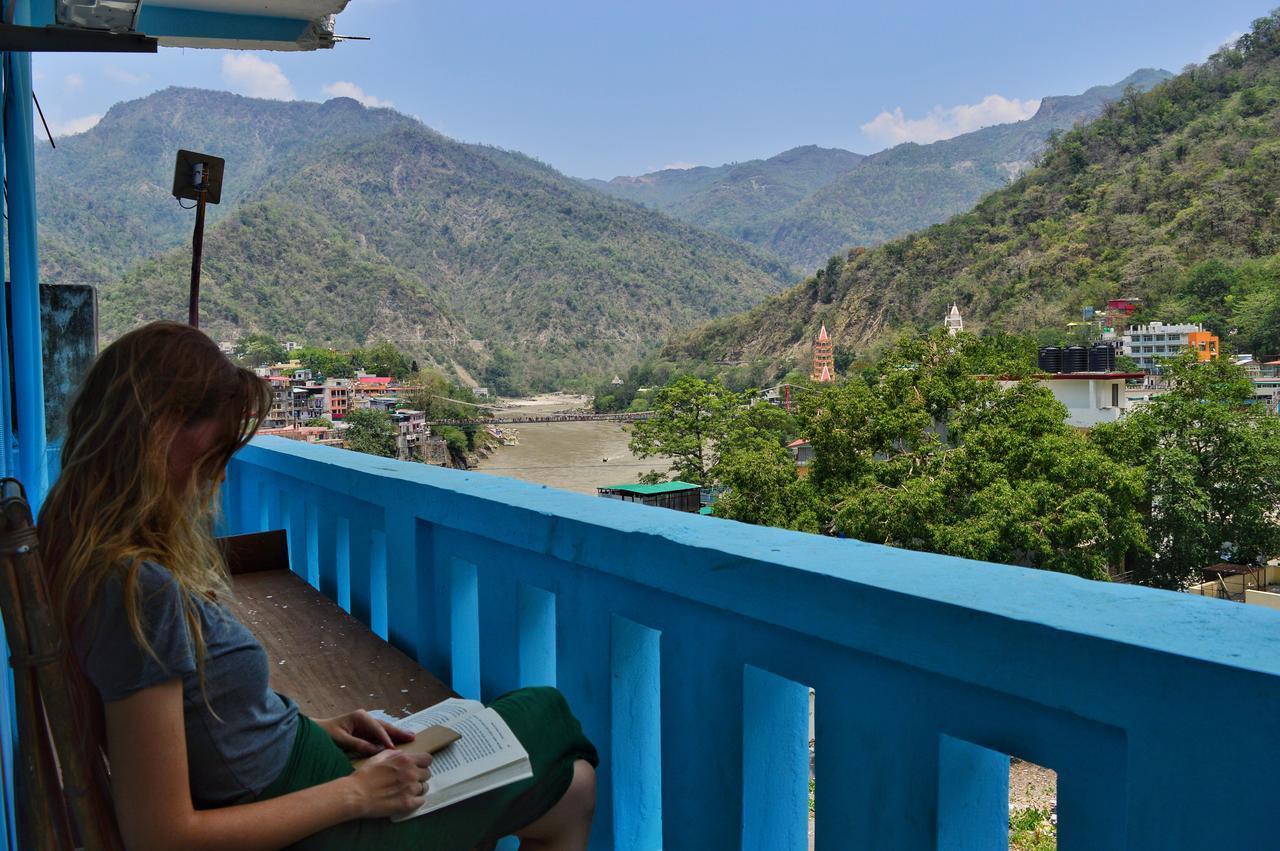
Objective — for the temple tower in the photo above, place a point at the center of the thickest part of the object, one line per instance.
(953, 322)
(824, 363)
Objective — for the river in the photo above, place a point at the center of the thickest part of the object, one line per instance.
(576, 456)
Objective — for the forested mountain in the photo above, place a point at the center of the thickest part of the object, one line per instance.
(741, 200)
(344, 225)
(809, 203)
(1171, 196)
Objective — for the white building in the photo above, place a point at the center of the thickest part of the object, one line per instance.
(1147, 344)
(953, 321)
(1090, 397)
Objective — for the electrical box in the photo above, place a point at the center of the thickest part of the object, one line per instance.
(195, 172)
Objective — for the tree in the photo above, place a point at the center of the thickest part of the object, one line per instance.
(690, 420)
(371, 432)
(762, 487)
(255, 349)
(432, 394)
(325, 362)
(383, 359)
(319, 422)
(924, 455)
(1212, 464)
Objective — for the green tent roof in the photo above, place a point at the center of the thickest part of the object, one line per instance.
(647, 490)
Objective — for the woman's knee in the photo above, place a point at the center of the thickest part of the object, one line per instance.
(583, 788)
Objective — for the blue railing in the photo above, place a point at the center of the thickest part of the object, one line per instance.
(688, 645)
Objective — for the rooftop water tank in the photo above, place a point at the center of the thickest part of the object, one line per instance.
(1102, 358)
(1075, 359)
(1050, 359)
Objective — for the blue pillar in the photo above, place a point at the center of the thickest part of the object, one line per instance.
(24, 269)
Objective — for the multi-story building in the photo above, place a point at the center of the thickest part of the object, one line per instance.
(337, 397)
(281, 405)
(1149, 344)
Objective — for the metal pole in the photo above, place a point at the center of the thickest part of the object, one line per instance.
(197, 250)
(8, 449)
(24, 271)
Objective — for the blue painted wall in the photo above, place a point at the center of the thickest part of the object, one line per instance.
(687, 646)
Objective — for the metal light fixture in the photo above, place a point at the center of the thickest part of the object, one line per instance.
(118, 16)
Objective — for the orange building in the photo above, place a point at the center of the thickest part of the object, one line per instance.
(1204, 344)
(824, 362)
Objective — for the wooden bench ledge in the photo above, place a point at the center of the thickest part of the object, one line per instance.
(322, 657)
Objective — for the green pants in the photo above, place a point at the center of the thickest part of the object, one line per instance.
(539, 717)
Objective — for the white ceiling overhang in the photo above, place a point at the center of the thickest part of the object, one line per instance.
(241, 24)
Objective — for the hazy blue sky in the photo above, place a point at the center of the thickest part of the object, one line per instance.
(598, 89)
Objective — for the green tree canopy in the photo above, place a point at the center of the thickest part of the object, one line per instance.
(383, 359)
(256, 349)
(1212, 465)
(371, 432)
(325, 362)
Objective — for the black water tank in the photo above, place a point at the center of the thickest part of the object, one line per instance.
(1050, 359)
(1075, 359)
(1102, 358)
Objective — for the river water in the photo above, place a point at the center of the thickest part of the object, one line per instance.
(576, 456)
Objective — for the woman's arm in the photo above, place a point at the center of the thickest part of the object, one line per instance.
(148, 751)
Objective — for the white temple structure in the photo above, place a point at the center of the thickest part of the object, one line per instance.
(953, 321)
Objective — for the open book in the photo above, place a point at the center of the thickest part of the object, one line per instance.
(486, 756)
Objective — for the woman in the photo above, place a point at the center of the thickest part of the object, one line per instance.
(203, 753)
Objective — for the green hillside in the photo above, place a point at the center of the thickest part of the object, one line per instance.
(342, 225)
(1171, 197)
(104, 196)
(741, 200)
(809, 203)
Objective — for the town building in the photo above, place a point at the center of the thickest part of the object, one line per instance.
(307, 434)
(824, 362)
(953, 321)
(1150, 344)
(1090, 397)
(801, 453)
(681, 496)
(337, 397)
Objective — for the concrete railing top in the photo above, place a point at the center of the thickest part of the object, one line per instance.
(802, 581)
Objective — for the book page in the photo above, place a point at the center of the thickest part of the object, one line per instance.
(487, 743)
(442, 713)
(487, 756)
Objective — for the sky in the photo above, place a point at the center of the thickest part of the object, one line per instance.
(599, 88)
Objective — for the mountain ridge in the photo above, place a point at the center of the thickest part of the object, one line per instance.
(1168, 197)
(479, 253)
(864, 200)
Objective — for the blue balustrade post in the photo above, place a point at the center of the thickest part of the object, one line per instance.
(537, 636)
(636, 735)
(875, 764)
(24, 270)
(404, 621)
(775, 758)
(973, 796)
(499, 629)
(701, 735)
(464, 629)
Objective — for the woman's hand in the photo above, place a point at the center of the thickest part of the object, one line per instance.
(361, 734)
(390, 784)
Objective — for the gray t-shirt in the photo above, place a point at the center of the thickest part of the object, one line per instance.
(231, 760)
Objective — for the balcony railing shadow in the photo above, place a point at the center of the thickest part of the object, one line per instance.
(688, 645)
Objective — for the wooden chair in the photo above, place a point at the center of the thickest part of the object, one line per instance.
(60, 772)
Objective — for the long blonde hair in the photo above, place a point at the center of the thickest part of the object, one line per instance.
(114, 505)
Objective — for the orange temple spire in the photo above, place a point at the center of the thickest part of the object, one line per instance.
(824, 364)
